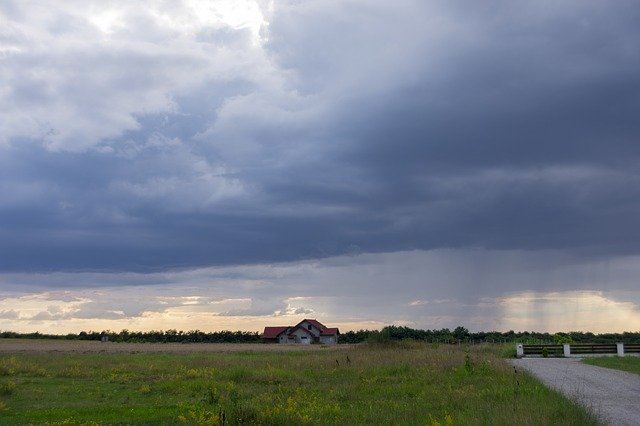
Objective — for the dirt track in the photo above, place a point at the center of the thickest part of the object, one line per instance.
(8, 346)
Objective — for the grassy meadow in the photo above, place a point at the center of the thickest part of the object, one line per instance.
(627, 363)
(402, 383)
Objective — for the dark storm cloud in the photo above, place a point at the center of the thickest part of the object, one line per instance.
(531, 111)
(355, 127)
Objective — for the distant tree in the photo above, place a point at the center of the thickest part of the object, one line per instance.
(561, 338)
(461, 334)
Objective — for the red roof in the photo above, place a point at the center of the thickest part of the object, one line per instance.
(330, 331)
(273, 332)
(315, 323)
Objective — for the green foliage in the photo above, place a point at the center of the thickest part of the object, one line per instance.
(461, 334)
(468, 362)
(8, 366)
(396, 382)
(169, 336)
(7, 388)
(562, 338)
(508, 351)
(382, 336)
(444, 335)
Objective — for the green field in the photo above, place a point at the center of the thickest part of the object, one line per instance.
(404, 383)
(628, 363)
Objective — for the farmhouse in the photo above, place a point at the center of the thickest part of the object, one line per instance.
(305, 332)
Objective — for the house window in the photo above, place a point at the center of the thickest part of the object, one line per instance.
(309, 327)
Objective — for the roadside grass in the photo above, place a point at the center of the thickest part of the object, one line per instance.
(401, 383)
(627, 363)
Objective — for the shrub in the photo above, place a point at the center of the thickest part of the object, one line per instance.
(561, 338)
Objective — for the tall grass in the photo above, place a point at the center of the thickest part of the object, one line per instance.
(385, 383)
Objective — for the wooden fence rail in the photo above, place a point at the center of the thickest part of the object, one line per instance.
(577, 350)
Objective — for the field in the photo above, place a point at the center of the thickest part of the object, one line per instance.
(34, 346)
(405, 383)
(628, 363)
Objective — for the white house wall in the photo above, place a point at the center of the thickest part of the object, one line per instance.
(328, 340)
(302, 336)
(315, 331)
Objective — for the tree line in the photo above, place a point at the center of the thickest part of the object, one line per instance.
(389, 333)
(462, 335)
(168, 336)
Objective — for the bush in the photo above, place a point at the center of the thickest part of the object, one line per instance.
(561, 338)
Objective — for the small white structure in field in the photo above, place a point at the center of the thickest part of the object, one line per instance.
(305, 332)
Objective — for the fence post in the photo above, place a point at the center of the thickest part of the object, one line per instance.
(567, 349)
(620, 349)
(519, 350)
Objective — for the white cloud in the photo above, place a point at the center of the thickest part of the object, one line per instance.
(41, 306)
(10, 314)
(77, 84)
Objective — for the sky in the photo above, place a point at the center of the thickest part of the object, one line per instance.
(235, 164)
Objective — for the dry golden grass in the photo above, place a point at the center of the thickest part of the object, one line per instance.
(88, 346)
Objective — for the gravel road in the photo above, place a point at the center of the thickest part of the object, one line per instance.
(614, 396)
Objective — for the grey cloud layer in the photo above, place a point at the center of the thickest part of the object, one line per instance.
(440, 288)
(349, 127)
